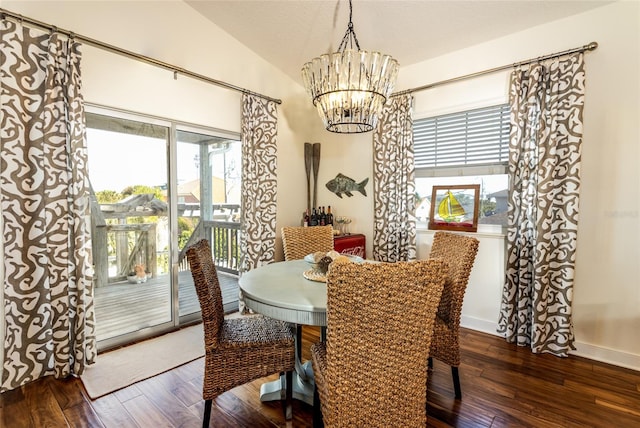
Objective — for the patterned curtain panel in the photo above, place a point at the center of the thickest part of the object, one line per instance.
(544, 172)
(44, 199)
(259, 183)
(394, 231)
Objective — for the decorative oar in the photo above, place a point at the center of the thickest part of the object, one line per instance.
(308, 155)
(316, 167)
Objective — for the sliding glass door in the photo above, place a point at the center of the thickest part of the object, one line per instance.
(209, 176)
(156, 188)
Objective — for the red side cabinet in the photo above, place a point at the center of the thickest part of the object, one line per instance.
(350, 244)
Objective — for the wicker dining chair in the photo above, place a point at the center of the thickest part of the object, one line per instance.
(298, 241)
(237, 350)
(372, 369)
(460, 252)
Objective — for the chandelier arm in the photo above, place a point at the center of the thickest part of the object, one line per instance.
(355, 38)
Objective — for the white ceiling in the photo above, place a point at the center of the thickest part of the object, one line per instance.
(288, 33)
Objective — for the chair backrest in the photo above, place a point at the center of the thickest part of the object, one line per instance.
(380, 319)
(297, 242)
(205, 280)
(459, 251)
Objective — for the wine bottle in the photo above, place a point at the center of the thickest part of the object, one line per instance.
(329, 216)
(323, 217)
(305, 218)
(313, 221)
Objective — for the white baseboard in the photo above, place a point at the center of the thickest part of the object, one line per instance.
(592, 352)
(478, 324)
(609, 356)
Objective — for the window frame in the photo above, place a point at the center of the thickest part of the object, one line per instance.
(479, 169)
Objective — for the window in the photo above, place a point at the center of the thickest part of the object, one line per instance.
(468, 147)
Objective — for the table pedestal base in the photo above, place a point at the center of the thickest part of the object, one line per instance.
(303, 385)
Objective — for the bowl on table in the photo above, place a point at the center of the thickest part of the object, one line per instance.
(320, 262)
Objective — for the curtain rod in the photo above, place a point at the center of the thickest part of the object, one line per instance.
(114, 49)
(591, 46)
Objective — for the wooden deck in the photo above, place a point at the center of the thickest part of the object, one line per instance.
(123, 307)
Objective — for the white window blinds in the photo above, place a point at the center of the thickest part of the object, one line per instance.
(476, 141)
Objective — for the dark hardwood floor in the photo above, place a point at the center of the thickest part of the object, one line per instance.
(502, 386)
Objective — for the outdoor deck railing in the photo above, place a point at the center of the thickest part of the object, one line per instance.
(225, 244)
(224, 237)
(118, 249)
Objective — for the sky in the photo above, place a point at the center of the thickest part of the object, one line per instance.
(118, 160)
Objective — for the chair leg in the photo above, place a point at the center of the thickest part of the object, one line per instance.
(288, 404)
(456, 382)
(317, 410)
(430, 362)
(207, 414)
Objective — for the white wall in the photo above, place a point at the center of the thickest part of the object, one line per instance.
(607, 283)
(606, 293)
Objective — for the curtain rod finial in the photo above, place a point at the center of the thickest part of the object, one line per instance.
(592, 46)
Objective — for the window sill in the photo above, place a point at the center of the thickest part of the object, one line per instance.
(484, 231)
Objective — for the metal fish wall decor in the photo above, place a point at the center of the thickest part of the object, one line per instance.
(343, 184)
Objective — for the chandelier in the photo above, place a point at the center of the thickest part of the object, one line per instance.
(350, 86)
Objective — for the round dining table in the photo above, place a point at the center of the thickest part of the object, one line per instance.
(280, 291)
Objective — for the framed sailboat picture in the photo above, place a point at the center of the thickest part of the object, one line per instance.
(455, 207)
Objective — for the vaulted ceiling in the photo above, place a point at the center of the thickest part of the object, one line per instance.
(288, 33)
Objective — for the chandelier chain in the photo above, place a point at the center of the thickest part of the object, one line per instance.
(350, 37)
